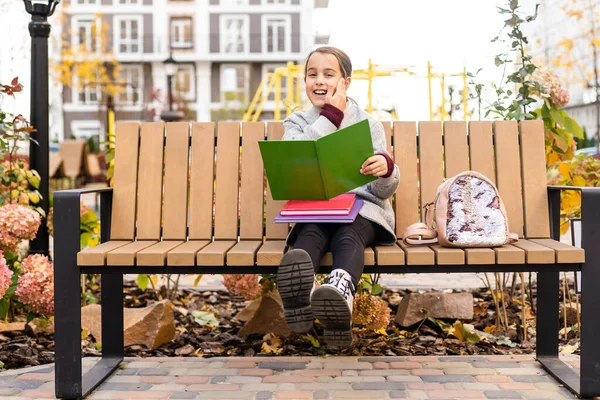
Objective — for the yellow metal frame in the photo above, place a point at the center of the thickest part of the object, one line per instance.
(442, 77)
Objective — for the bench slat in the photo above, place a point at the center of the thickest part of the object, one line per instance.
(271, 252)
(508, 168)
(176, 181)
(535, 253)
(185, 254)
(480, 256)
(273, 230)
(509, 254)
(431, 157)
(448, 256)
(455, 147)
(150, 177)
(389, 255)
(252, 182)
(243, 253)
(407, 194)
(418, 255)
(564, 252)
(214, 253)
(202, 181)
(226, 201)
(125, 255)
(156, 254)
(535, 193)
(97, 255)
(122, 225)
(481, 148)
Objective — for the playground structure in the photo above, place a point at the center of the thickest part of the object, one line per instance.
(293, 73)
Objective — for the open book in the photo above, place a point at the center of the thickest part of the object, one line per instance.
(318, 169)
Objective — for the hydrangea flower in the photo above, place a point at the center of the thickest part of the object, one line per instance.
(244, 285)
(5, 275)
(36, 285)
(550, 86)
(371, 311)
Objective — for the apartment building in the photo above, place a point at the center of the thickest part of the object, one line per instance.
(222, 47)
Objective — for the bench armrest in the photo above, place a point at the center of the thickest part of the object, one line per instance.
(590, 210)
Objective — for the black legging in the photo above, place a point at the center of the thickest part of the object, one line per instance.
(347, 242)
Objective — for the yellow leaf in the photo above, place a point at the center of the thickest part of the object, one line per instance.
(154, 280)
(564, 227)
(579, 181)
(381, 332)
(84, 333)
(490, 329)
(197, 280)
(564, 169)
(552, 158)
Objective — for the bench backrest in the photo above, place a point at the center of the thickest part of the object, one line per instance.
(204, 180)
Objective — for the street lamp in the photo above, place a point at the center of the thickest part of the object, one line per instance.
(170, 69)
(39, 29)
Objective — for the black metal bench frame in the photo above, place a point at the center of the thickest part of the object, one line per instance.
(70, 384)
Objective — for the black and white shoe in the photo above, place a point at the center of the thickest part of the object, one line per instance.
(332, 306)
(295, 281)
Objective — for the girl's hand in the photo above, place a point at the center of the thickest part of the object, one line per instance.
(338, 97)
(375, 165)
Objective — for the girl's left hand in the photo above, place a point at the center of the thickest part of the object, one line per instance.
(375, 165)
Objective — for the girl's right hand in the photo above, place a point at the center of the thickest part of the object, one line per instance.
(338, 98)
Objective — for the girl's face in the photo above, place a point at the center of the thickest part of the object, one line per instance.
(322, 75)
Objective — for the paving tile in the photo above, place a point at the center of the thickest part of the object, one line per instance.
(379, 386)
(124, 386)
(153, 372)
(502, 394)
(455, 394)
(382, 359)
(350, 394)
(448, 378)
(293, 395)
(206, 386)
(264, 396)
(281, 365)
(142, 395)
(11, 382)
(397, 394)
(321, 395)
(531, 378)
(184, 395)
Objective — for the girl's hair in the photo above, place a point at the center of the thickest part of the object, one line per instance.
(342, 57)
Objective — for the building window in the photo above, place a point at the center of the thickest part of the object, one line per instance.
(283, 2)
(85, 129)
(132, 88)
(128, 35)
(181, 33)
(235, 33)
(87, 2)
(129, 2)
(233, 3)
(89, 92)
(276, 33)
(185, 82)
(234, 83)
(86, 34)
(266, 68)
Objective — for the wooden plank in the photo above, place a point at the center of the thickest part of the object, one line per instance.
(252, 182)
(448, 255)
(480, 256)
(214, 253)
(369, 257)
(387, 128)
(176, 181)
(243, 253)
(185, 254)
(389, 255)
(156, 254)
(97, 255)
(535, 192)
(122, 224)
(72, 153)
(150, 176)
(430, 159)
(407, 194)
(226, 199)
(455, 147)
(271, 252)
(202, 181)
(273, 230)
(508, 254)
(125, 255)
(418, 255)
(564, 253)
(481, 148)
(508, 167)
(535, 253)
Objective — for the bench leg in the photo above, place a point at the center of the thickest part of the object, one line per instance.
(547, 313)
(112, 316)
(590, 296)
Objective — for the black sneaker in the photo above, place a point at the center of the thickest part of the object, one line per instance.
(295, 281)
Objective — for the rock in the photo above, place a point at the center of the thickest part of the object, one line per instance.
(248, 312)
(12, 326)
(185, 350)
(268, 318)
(150, 326)
(572, 310)
(416, 306)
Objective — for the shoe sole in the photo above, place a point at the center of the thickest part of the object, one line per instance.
(295, 278)
(330, 308)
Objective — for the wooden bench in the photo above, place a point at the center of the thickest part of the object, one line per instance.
(211, 212)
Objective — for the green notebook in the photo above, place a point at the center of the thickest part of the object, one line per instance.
(318, 169)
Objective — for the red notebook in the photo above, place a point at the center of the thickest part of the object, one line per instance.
(339, 205)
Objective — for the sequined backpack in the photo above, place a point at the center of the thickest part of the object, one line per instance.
(467, 212)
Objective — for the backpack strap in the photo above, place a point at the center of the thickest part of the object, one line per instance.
(513, 238)
(419, 233)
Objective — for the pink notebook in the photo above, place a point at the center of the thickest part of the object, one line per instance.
(339, 205)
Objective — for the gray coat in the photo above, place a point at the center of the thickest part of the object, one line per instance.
(377, 208)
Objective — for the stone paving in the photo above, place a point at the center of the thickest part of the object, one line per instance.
(304, 378)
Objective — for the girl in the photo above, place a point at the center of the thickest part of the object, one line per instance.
(327, 76)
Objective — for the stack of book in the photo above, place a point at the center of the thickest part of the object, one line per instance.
(341, 209)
